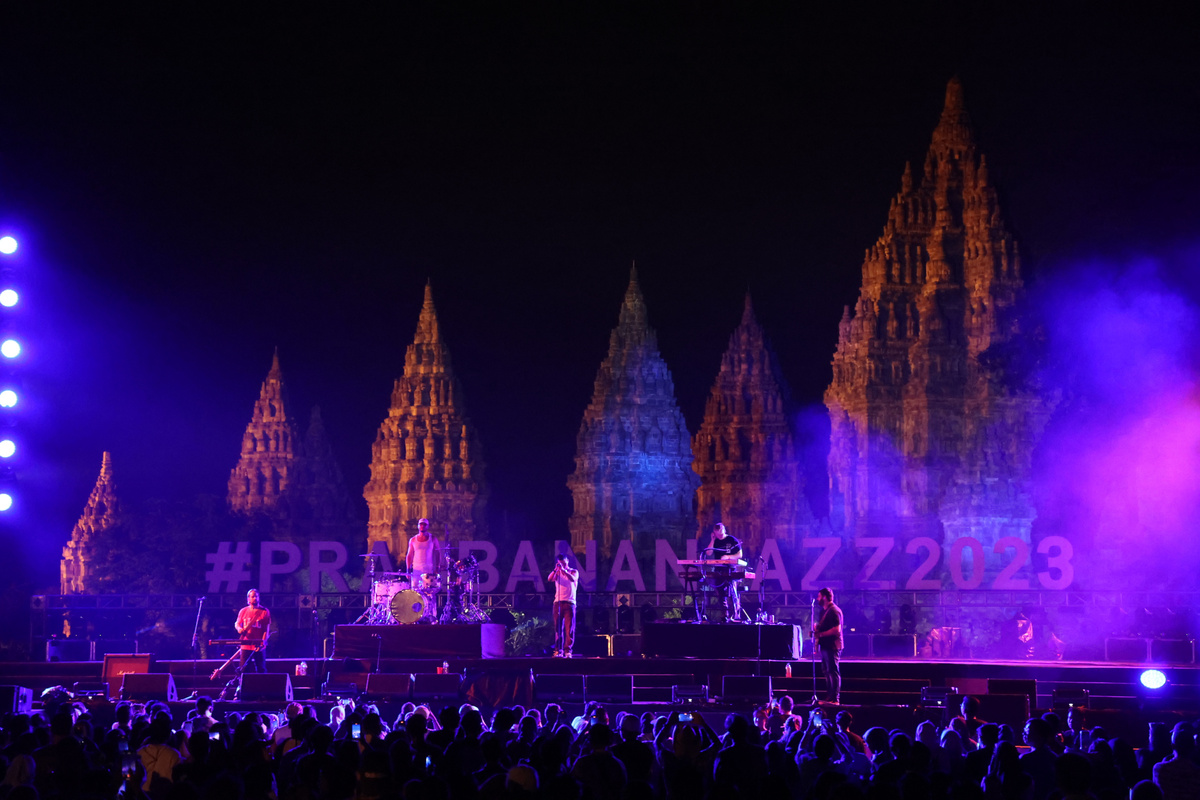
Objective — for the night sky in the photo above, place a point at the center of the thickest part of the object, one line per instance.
(193, 188)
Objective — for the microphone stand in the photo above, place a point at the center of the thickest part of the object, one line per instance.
(196, 637)
(812, 625)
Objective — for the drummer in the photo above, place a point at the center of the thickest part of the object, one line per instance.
(424, 552)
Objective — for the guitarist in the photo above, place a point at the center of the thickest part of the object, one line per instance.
(253, 626)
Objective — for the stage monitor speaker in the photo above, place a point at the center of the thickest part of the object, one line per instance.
(940, 697)
(750, 688)
(608, 688)
(275, 686)
(436, 686)
(119, 664)
(595, 646)
(1005, 709)
(1064, 699)
(682, 695)
(1119, 649)
(16, 700)
(1173, 651)
(390, 685)
(627, 645)
(857, 645)
(148, 686)
(70, 650)
(894, 645)
(558, 688)
(1025, 686)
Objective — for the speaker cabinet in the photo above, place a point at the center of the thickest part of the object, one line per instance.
(265, 686)
(608, 688)
(70, 650)
(436, 686)
(1005, 709)
(894, 645)
(148, 686)
(1173, 651)
(390, 686)
(16, 700)
(595, 646)
(558, 688)
(118, 664)
(748, 688)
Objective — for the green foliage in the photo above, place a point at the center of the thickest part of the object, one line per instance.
(530, 635)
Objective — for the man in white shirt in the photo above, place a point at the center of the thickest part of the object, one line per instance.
(566, 582)
(424, 552)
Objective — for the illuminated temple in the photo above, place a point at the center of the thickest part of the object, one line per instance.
(99, 514)
(633, 478)
(929, 435)
(426, 460)
(280, 475)
(751, 477)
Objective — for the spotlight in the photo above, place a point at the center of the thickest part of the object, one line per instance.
(1153, 679)
(8, 398)
(8, 245)
(11, 348)
(6, 501)
(8, 298)
(7, 448)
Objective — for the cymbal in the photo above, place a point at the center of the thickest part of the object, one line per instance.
(371, 555)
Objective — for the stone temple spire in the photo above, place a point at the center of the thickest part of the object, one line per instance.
(633, 477)
(324, 488)
(99, 514)
(426, 458)
(271, 453)
(918, 419)
(751, 477)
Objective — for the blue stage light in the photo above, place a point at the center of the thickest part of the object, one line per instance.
(8, 298)
(11, 348)
(8, 398)
(6, 501)
(1153, 679)
(8, 448)
(8, 245)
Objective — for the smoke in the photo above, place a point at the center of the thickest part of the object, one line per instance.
(1118, 470)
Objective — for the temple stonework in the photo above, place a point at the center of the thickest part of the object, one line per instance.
(750, 476)
(269, 462)
(99, 514)
(426, 460)
(633, 477)
(926, 438)
(278, 473)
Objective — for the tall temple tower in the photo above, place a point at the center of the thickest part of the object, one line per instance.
(426, 460)
(271, 453)
(927, 438)
(633, 476)
(750, 476)
(99, 514)
(280, 474)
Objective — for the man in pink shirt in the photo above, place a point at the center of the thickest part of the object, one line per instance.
(254, 626)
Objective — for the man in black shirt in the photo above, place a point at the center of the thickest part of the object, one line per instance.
(726, 547)
(827, 636)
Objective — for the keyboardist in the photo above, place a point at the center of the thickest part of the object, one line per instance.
(726, 547)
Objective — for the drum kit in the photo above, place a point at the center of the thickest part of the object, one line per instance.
(400, 598)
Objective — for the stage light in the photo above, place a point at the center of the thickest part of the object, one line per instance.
(8, 448)
(8, 398)
(6, 501)
(1153, 679)
(8, 245)
(11, 348)
(8, 298)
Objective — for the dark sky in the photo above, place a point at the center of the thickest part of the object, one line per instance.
(194, 187)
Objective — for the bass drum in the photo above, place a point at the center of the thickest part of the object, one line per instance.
(407, 606)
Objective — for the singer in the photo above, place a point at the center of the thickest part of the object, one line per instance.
(566, 583)
(827, 637)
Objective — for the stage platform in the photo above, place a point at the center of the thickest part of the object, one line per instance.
(883, 692)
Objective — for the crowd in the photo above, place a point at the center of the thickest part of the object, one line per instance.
(779, 751)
